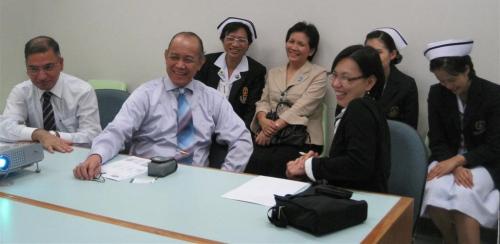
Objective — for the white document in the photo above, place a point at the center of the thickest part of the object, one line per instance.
(261, 190)
(126, 168)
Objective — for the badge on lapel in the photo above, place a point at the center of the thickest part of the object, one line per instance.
(221, 74)
(244, 95)
(479, 127)
(393, 112)
(237, 77)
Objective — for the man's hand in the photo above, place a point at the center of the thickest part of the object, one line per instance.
(51, 142)
(89, 169)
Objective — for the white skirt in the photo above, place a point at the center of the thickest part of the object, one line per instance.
(481, 202)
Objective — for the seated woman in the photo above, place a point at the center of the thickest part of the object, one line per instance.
(295, 92)
(360, 153)
(399, 99)
(237, 76)
(464, 137)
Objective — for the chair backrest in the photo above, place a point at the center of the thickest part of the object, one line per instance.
(108, 84)
(408, 164)
(110, 101)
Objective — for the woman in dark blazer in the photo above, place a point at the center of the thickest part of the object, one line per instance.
(360, 153)
(399, 100)
(237, 76)
(464, 134)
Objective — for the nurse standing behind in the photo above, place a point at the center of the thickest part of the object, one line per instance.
(238, 77)
(464, 132)
(399, 100)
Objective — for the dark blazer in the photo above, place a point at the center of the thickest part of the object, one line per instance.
(481, 125)
(245, 92)
(360, 152)
(399, 101)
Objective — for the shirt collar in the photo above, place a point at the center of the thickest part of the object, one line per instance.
(242, 66)
(169, 86)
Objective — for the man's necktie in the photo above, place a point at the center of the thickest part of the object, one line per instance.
(49, 123)
(185, 129)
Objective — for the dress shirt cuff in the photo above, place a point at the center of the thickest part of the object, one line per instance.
(26, 134)
(65, 136)
(308, 168)
(104, 157)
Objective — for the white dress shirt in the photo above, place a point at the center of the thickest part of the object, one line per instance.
(75, 111)
(226, 82)
(149, 120)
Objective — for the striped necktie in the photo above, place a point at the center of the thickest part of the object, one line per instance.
(49, 123)
(185, 129)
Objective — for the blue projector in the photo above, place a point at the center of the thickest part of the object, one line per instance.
(16, 156)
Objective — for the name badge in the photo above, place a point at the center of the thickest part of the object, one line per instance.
(244, 95)
(479, 127)
(393, 112)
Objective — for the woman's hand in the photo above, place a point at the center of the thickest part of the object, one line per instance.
(262, 139)
(269, 127)
(445, 167)
(296, 169)
(463, 177)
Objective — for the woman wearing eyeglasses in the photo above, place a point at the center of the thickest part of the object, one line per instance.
(293, 93)
(238, 77)
(360, 153)
(399, 99)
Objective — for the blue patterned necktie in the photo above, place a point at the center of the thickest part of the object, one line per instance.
(49, 123)
(185, 129)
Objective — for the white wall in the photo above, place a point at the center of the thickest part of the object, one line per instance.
(125, 39)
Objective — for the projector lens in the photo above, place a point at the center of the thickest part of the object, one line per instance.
(4, 163)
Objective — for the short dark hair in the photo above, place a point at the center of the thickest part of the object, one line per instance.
(310, 31)
(368, 62)
(388, 42)
(453, 65)
(234, 26)
(41, 44)
(190, 34)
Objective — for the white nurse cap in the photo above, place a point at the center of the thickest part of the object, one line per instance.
(396, 36)
(246, 22)
(448, 48)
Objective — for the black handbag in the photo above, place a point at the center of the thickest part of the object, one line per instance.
(292, 135)
(319, 210)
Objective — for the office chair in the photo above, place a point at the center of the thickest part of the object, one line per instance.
(108, 84)
(110, 101)
(408, 164)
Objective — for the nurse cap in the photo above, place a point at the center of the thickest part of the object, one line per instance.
(448, 48)
(398, 39)
(246, 22)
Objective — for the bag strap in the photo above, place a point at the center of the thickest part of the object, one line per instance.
(277, 216)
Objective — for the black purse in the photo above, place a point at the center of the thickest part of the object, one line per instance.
(319, 210)
(292, 135)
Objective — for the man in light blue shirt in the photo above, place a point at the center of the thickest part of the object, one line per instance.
(149, 116)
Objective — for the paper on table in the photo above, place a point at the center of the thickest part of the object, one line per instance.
(261, 190)
(126, 168)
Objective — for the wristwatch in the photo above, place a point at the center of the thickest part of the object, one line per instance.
(54, 133)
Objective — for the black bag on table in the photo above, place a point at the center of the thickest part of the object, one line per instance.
(319, 210)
